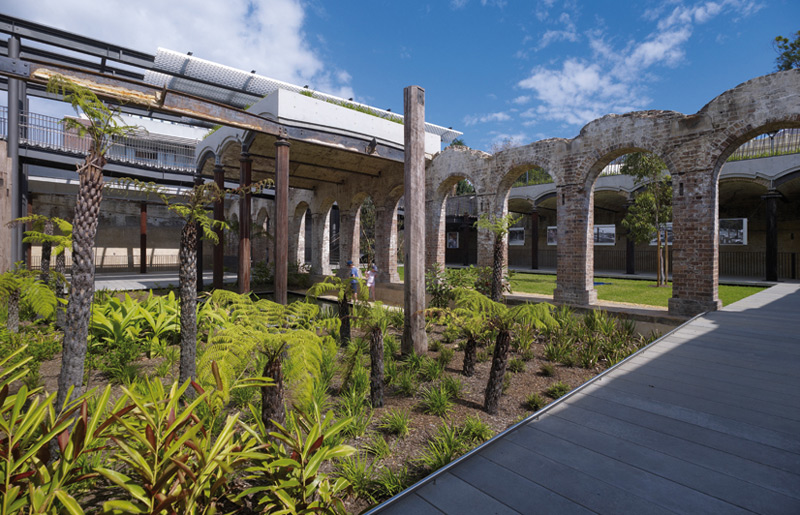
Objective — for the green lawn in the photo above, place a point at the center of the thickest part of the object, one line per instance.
(620, 290)
(624, 290)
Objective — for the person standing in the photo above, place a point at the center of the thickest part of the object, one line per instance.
(353, 279)
(372, 274)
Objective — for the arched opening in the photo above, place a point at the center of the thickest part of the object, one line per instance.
(454, 210)
(759, 206)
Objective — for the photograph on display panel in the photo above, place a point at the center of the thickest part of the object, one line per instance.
(516, 236)
(733, 231)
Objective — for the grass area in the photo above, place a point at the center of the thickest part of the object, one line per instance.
(624, 290)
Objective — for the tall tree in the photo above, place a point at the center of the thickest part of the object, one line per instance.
(499, 227)
(101, 126)
(788, 52)
(652, 207)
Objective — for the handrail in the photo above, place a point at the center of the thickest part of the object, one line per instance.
(49, 133)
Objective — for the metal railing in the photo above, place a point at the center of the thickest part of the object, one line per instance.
(782, 142)
(49, 133)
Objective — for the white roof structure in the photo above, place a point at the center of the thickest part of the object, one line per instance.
(227, 85)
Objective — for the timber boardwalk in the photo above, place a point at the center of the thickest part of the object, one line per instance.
(705, 420)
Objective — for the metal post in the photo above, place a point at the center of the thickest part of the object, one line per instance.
(534, 239)
(281, 220)
(219, 215)
(414, 337)
(14, 90)
(245, 171)
(771, 265)
(143, 238)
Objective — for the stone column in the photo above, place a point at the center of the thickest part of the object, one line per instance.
(435, 231)
(15, 176)
(143, 238)
(575, 250)
(320, 243)
(534, 239)
(245, 170)
(414, 337)
(349, 240)
(219, 215)
(630, 247)
(771, 254)
(297, 241)
(386, 243)
(695, 250)
(281, 220)
(485, 236)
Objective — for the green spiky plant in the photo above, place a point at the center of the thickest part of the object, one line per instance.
(102, 126)
(502, 319)
(499, 226)
(20, 285)
(343, 291)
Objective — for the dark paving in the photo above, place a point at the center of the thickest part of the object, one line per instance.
(706, 420)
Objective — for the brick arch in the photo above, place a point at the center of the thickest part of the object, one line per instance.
(297, 236)
(206, 160)
(726, 142)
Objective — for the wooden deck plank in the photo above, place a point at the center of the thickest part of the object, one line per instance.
(595, 494)
(656, 490)
(747, 449)
(720, 462)
(411, 503)
(516, 491)
(562, 437)
(452, 495)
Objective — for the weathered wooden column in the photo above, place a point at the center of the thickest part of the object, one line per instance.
(281, 219)
(414, 337)
(771, 254)
(245, 172)
(534, 239)
(143, 238)
(219, 215)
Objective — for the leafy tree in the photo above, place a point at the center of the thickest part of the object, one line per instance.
(464, 187)
(190, 206)
(52, 244)
(343, 290)
(367, 224)
(458, 142)
(502, 319)
(652, 207)
(102, 125)
(788, 52)
(532, 177)
(375, 319)
(22, 286)
(499, 227)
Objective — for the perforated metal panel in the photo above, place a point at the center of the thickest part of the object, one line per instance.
(206, 79)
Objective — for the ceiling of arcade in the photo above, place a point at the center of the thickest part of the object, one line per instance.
(310, 164)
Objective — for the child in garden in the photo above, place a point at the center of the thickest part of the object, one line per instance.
(353, 279)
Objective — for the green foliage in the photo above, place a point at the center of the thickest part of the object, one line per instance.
(516, 365)
(431, 369)
(377, 446)
(358, 471)
(788, 52)
(287, 474)
(547, 370)
(395, 422)
(535, 402)
(558, 389)
(437, 284)
(436, 400)
(406, 382)
(391, 482)
(453, 386)
(20, 287)
(445, 446)
(475, 431)
(498, 225)
(445, 356)
(532, 177)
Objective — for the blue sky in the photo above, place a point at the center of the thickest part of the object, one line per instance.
(497, 70)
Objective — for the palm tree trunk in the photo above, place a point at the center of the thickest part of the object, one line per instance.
(494, 388)
(187, 279)
(272, 396)
(79, 309)
(344, 316)
(46, 252)
(13, 312)
(376, 369)
(497, 270)
(61, 288)
(470, 352)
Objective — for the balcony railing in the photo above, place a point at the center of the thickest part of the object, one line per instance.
(49, 133)
(782, 142)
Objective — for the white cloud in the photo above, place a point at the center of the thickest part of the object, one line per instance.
(491, 117)
(522, 99)
(568, 33)
(501, 140)
(614, 78)
(266, 36)
(458, 4)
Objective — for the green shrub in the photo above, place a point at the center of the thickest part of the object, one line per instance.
(516, 365)
(406, 383)
(445, 446)
(377, 446)
(453, 386)
(434, 345)
(475, 430)
(445, 356)
(507, 381)
(547, 370)
(389, 482)
(558, 389)
(436, 401)
(527, 355)
(395, 422)
(358, 471)
(535, 402)
(431, 369)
